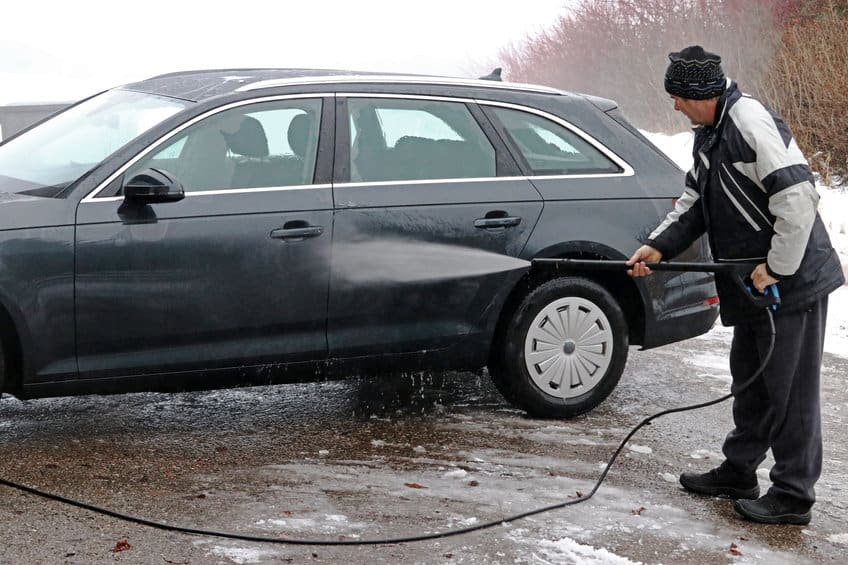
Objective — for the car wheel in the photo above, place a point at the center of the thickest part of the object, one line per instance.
(562, 350)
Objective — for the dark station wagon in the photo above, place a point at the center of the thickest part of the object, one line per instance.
(219, 228)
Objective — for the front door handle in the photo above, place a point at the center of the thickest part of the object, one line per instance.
(296, 230)
(499, 222)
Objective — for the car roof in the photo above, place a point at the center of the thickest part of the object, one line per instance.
(199, 85)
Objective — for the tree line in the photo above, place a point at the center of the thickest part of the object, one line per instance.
(791, 54)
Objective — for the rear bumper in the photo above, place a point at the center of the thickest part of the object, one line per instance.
(680, 325)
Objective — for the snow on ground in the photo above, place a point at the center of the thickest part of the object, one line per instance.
(242, 555)
(833, 208)
(569, 551)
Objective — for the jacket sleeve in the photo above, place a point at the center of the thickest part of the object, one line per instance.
(783, 173)
(684, 224)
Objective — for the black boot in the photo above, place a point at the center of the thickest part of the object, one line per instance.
(775, 508)
(722, 481)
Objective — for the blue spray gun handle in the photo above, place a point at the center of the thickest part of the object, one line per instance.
(770, 297)
(775, 294)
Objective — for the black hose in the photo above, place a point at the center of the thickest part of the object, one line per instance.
(406, 539)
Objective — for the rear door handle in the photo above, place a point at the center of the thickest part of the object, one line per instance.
(493, 223)
(297, 233)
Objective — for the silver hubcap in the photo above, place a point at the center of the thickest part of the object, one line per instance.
(568, 347)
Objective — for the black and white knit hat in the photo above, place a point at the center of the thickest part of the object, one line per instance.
(695, 74)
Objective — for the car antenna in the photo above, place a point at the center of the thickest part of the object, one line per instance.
(494, 75)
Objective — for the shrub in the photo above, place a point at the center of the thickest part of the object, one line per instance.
(792, 54)
(808, 83)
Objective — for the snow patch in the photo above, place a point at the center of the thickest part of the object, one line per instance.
(463, 523)
(336, 517)
(710, 361)
(567, 550)
(705, 454)
(836, 335)
(640, 448)
(668, 477)
(838, 538)
(290, 523)
(327, 523)
(242, 554)
(378, 443)
(678, 147)
(456, 474)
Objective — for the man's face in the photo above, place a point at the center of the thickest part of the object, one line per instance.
(699, 112)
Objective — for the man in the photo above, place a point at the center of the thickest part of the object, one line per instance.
(751, 191)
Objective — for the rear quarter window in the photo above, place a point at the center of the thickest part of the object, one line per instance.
(548, 148)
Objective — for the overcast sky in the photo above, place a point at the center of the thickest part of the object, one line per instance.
(65, 50)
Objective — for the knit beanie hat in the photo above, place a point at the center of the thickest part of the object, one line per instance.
(694, 74)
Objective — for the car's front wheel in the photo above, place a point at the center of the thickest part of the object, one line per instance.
(562, 350)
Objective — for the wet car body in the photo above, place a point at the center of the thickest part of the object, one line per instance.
(336, 267)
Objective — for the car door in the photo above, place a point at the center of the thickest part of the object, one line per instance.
(236, 273)
(429, 219)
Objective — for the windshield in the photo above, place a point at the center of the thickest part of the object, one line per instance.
(62, 149)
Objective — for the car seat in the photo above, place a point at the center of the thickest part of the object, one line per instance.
(203, 163)
(248, 147)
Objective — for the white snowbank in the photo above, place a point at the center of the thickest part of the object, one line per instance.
(677, 146)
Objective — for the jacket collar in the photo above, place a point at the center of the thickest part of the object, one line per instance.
(706, 136)
(728, 98)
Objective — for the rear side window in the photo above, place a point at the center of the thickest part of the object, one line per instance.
(549, 148)
(400, 139)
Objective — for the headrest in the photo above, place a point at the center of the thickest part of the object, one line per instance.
(249, 140)
(299, 134)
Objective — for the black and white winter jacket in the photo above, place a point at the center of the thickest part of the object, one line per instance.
(751, 190)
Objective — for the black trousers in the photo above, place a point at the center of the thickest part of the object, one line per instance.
(781, 409)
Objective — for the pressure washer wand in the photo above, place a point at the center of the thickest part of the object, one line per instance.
(606, 265)
(739, 272)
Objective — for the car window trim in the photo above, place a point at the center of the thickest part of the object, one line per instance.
(505, 166)
(626, 169)
(426, 181)
(91, 197)
(505, 163)
(341, 180)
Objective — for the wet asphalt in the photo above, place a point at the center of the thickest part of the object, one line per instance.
(399, 456)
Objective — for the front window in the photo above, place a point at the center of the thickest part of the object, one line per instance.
(62, 149)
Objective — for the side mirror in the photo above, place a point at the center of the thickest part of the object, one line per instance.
(153, 185)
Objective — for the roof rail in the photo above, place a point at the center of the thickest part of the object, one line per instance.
(402, 79)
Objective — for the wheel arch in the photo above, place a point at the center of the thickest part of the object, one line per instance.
(630, 296)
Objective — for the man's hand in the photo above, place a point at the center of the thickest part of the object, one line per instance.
(645, 254)
(761, 278)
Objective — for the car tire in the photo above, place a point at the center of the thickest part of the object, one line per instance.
(562, 349)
